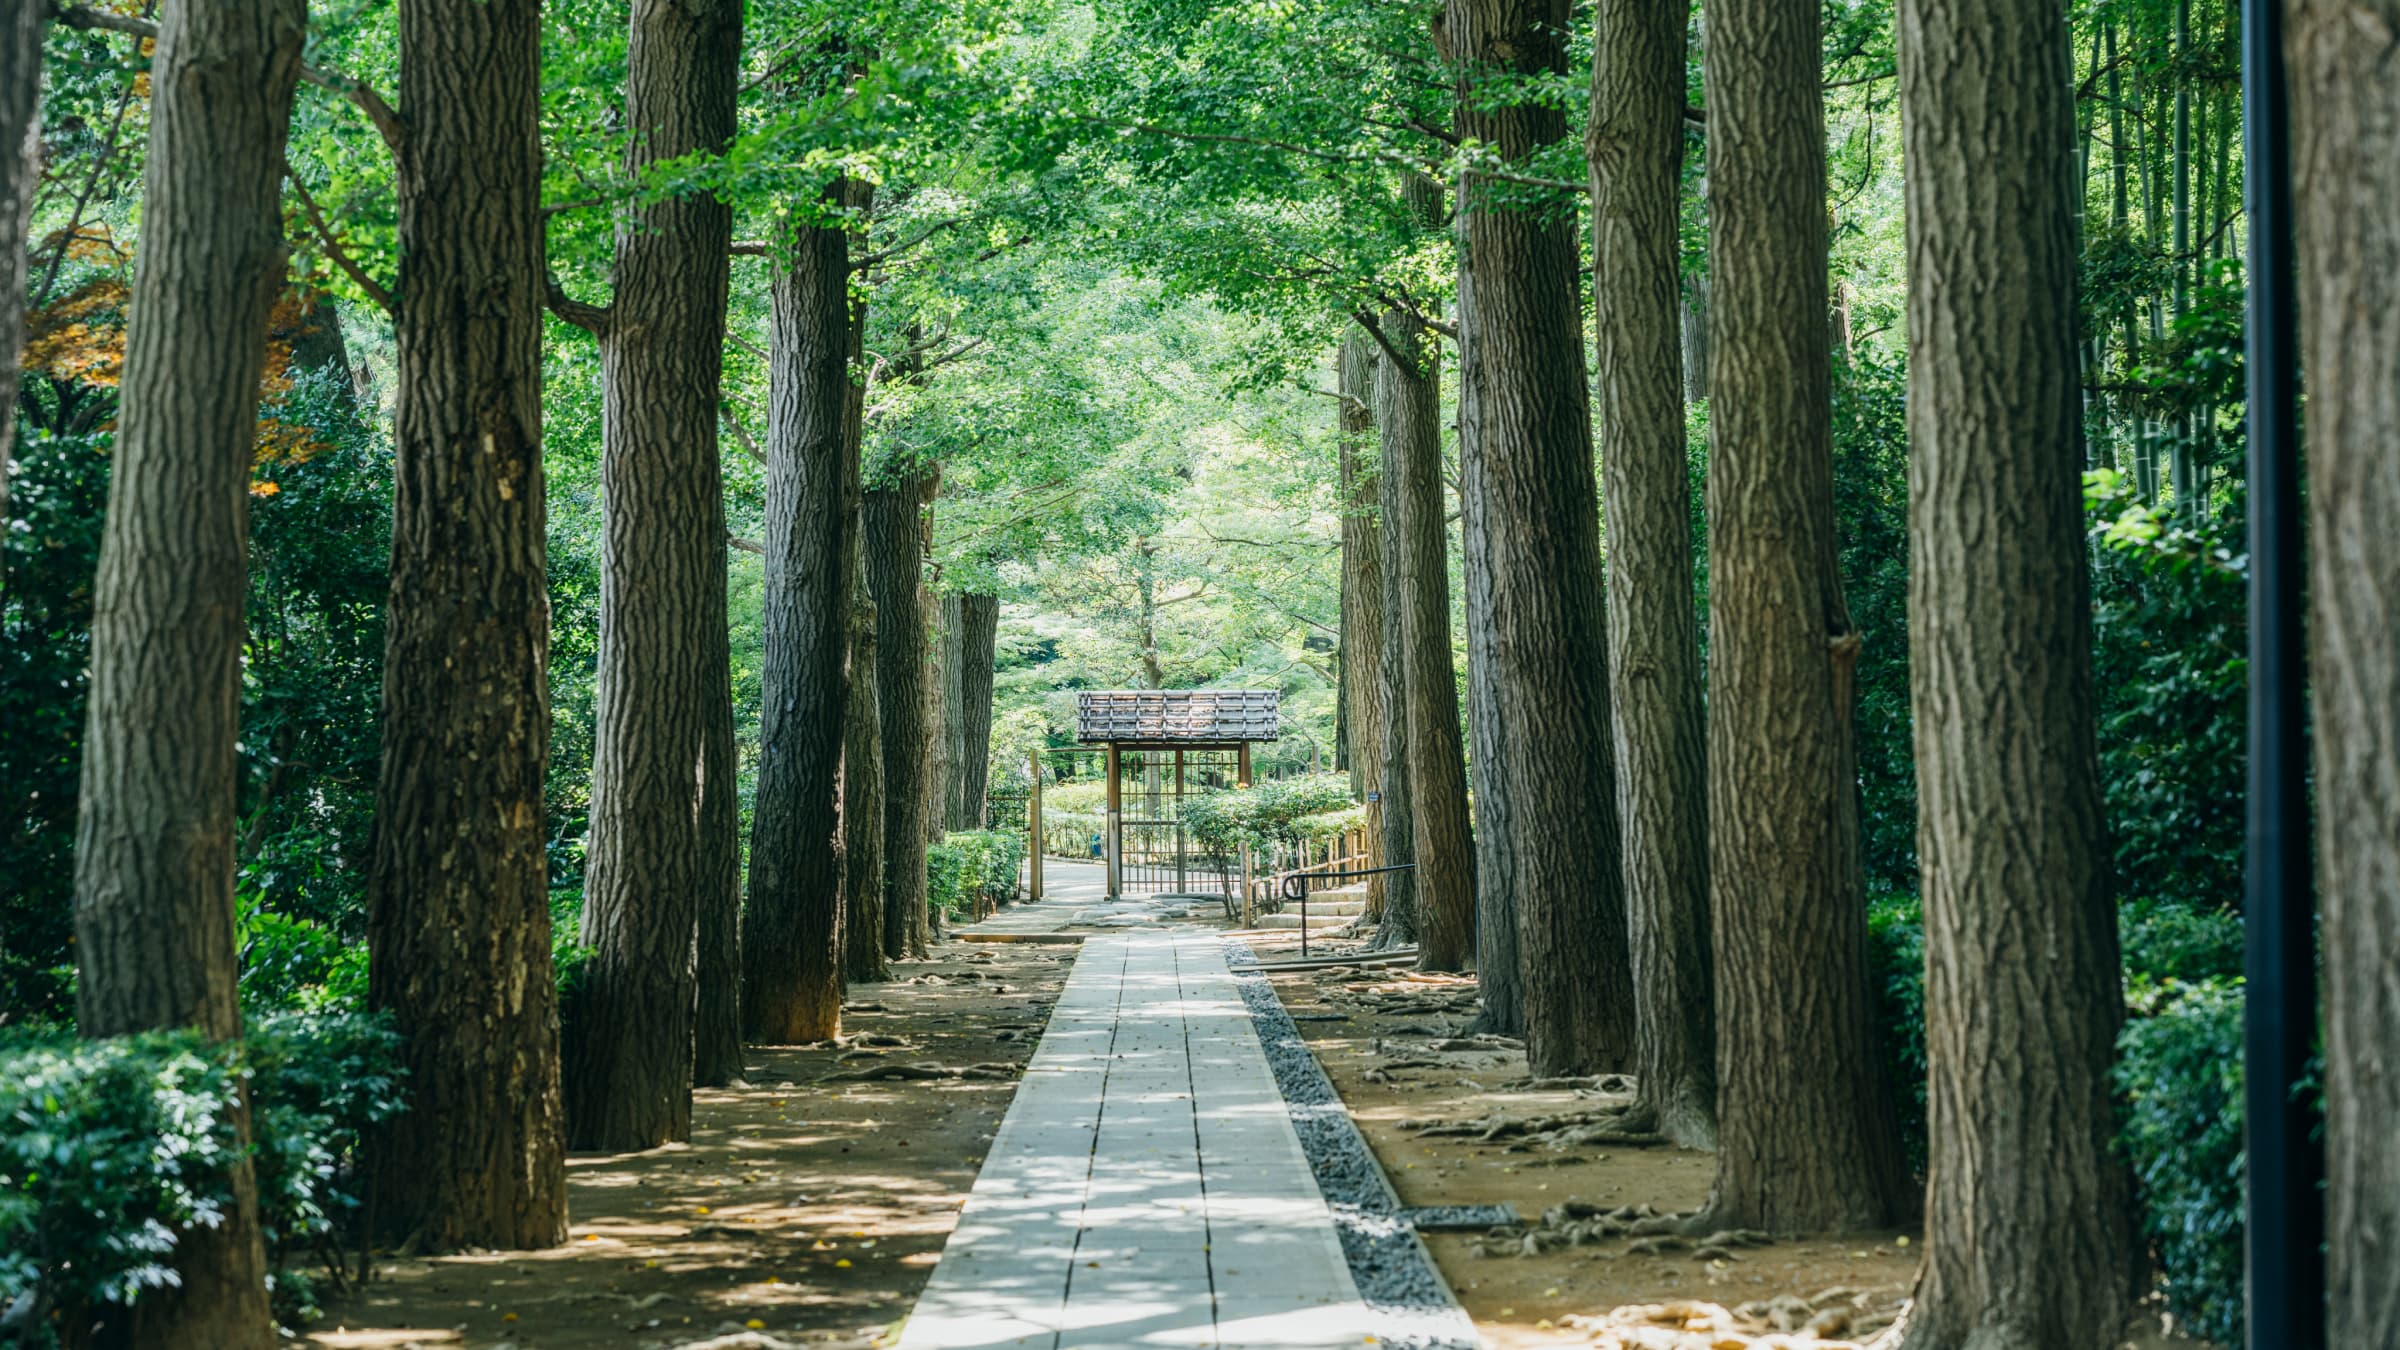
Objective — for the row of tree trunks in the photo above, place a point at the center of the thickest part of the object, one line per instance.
(979, 640)
(2028, 1213)
(1408, 411)
(155, 834)
(2346, 147)
(1544, 751)
(792, 983)
(1363, 693)
(1636, 147)
(1806, 1139)
(457, 896)
(892, 531)
(664, 669)
(20, 174)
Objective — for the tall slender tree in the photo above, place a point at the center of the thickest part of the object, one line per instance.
(792, 963)
(863, 949)
(154, 837)
(1408, 413)
(2346, 144)
(665, 697)
(2029, 1231)
(1805, 1131)
(1365, 697)
(1544, 757)
(1401, 913)
(1635, 142)
(895, 551)
(979, 640)
(458, 912)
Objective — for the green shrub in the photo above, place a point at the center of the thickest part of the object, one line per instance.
(110, 1148)
(973, 863)
(294, 963)
(2179, 1078)
(1308, 809)
(1896, 965)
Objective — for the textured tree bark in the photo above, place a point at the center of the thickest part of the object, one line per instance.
(1635, 144)
(792, 963)
(1545, 758)
(863, 959)
(894, 552)
(1805, 1134)
(1402, 914)
(1408, 409)
(1364, 696)
(2029, 1230)
(944, 725)
(2346, 139)
(665, 687)
(1695, 339)
(979, 628)
(20, 175)
(155, 833)
(457, 897)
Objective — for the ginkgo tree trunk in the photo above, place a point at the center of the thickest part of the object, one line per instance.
(2344, 59)
(154, 838)
(2029, 1212)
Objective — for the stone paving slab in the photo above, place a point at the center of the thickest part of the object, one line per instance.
(1146, 1188)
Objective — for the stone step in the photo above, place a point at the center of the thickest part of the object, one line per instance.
(1291, 919)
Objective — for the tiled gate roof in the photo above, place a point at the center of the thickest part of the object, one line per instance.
(1178, 715)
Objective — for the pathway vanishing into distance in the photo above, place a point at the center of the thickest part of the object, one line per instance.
(1146, 1188)
(1066, 888)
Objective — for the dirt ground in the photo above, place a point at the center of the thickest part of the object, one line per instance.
(1367, 1028)
(809, 1207)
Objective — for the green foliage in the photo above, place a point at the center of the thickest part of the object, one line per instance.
(292, 963)
(1896, 968)
(49, 552)
(2171, 668)
(972, 864)
(1870, 487)
(110, 1148)
(1310, 808)
(2179, 1076)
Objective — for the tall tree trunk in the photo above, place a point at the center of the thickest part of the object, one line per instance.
(1545, 771)
(1402, 915)
(717, 945)
(665, 688)
(2028, 1215)
(950, 699)
(155, 830)
(863, 950)
(1636, 146)
(932, 612)
(1365, 697)
(979, 625)
(458, 912)
(894, 554)
(1805, 1133)
(1408, 410)
(20, 176)
(792, 962)
(2346, 139)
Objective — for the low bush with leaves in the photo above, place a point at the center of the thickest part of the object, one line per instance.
(1306, 809)
(972, 864)
(109, 1149)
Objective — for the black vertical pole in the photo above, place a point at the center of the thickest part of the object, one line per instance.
(2286, 1210)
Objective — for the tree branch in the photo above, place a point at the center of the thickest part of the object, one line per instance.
(375, 290)
(371, 103)
(593, 319)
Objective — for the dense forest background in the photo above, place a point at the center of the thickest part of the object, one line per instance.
(1111, 252)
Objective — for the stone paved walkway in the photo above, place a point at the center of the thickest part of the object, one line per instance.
(1146, 1188)
(1066, 888)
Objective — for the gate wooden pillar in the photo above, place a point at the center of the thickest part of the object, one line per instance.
(1033, 827)
(1114, 835)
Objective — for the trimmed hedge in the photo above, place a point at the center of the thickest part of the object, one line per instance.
(111, 1148)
